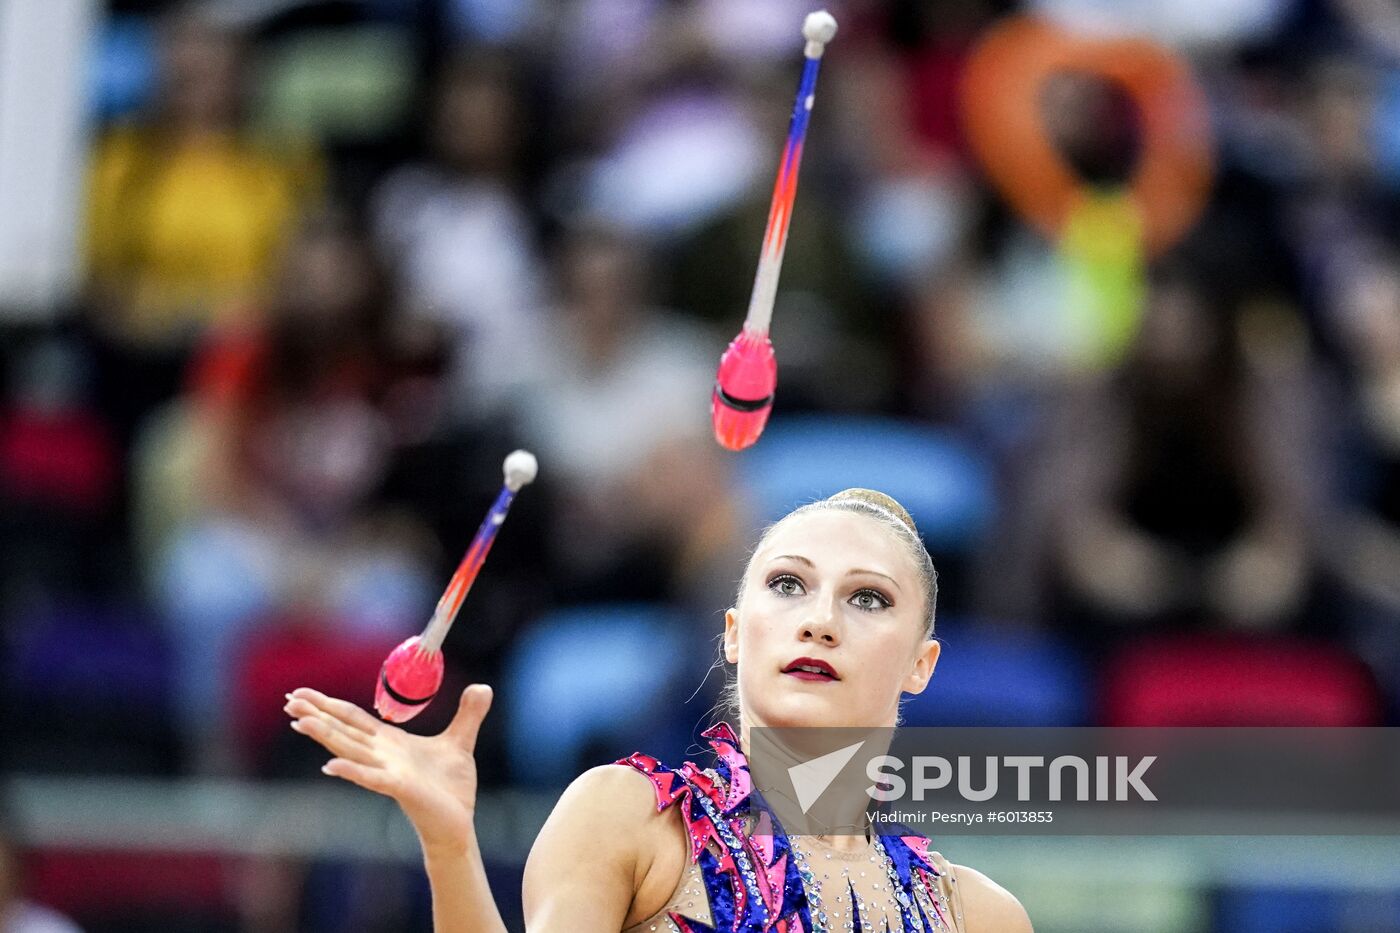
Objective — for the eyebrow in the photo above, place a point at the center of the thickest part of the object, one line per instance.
(802, 560)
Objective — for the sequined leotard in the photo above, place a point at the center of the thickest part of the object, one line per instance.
(759, 882)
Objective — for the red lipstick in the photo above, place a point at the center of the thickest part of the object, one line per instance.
(811, 669)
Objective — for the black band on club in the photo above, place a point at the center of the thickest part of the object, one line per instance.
(739, 404)
(399, 697)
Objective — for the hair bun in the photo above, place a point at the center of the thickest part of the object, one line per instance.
(880, 501)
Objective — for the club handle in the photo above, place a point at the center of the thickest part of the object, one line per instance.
(770, 260)
(451, 601)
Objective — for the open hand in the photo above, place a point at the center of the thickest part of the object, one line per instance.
(433, 778)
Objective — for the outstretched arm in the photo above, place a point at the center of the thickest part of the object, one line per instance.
(593, 866)
(433, 778)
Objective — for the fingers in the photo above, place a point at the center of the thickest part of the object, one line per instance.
(471, 710)
(369, 778)
(336, 738)
(347, 713)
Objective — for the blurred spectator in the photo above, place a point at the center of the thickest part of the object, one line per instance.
(1340, 109)
(1374, 23)
(460, 234)
(755, 31)
(1175, 490)
(938, 37)
(1055, 305)
(18, 915)
(1364, 549)
(293, 423)
(622, 418)
(187, 212)
(913, 207)
(682, 143)
(59, 469)
(53, 449)
(1340, 211)
(607, 47)
(953, 372)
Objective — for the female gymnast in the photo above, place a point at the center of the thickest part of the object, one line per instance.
(833, 621)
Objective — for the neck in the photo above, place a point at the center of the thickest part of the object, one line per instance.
(839, 818)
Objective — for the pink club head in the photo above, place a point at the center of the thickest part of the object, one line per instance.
(408, 681)
(743, 396)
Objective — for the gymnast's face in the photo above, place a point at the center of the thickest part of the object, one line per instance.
(838, 589)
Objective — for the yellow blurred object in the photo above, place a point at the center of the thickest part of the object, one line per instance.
(181, 231)
(1102, 248)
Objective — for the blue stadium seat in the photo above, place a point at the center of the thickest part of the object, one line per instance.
(946, 485)
(122, 67)
(98, 655)
(94, 684)
(607, 675)
(1001, 676)
(1305, 910)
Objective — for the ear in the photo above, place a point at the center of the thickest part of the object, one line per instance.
(924, 663)
(731, 635)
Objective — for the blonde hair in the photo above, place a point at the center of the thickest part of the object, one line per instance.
(872, 504)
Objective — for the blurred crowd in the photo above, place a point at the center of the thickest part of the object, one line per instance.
(342, 257)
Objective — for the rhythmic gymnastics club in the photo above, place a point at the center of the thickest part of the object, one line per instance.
(748, 371)
(412, 673)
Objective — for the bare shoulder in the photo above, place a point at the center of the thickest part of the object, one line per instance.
(624, 792)
(596, 850)
(987, 906)
(604, 808)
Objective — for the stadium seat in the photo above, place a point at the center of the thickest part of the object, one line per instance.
(285, 654)
(608, 676)
(1221, 680)
(992, 675)
(946, 485)
(1305, 910)
(122, 72)
(121, 889)
(94, 687)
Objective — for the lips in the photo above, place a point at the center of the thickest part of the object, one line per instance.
(811, 669)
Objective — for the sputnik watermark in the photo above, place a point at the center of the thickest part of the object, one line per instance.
(1124, 776)
(1081, 781)
(1117, 778)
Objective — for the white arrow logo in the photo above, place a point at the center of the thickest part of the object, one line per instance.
(811, 778)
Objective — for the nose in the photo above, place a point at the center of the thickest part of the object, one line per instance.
(823, 625)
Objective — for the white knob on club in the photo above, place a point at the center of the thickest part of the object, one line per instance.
(521, 468)
(818, 29)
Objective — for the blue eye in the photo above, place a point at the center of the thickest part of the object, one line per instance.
(870, 600)
(785, 584)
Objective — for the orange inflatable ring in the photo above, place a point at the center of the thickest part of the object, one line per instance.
(1001, 110)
